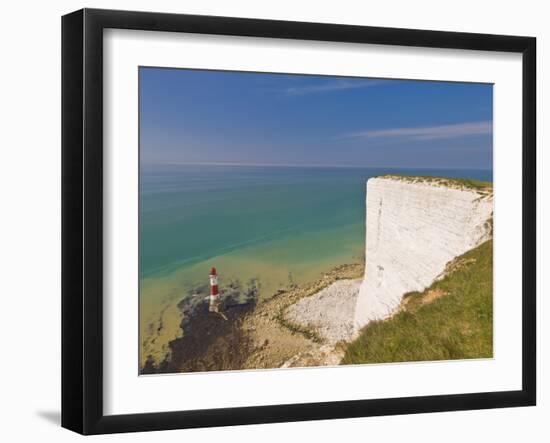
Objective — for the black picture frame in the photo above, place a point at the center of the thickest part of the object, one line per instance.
(82, 220)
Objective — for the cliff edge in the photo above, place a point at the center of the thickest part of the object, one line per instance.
(415, 226)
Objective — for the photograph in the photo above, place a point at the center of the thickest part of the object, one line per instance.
(290, 220)
(248, 221)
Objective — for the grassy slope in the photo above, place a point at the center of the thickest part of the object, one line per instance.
(457, 325)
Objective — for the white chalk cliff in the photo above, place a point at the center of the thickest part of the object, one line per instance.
(414, 228)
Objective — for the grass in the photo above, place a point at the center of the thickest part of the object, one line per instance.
(463, 183)
(457, 324)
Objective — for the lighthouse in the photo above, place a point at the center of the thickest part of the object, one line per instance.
(214, 294)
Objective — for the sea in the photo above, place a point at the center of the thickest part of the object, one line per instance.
(266, 227)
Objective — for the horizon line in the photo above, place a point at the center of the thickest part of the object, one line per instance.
(314, 165)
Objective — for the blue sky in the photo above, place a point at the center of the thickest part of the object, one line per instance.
(194, 116)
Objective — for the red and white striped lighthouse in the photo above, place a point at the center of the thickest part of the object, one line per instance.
(214, 294)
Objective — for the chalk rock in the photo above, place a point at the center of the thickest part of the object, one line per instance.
(329, 312)
(414, 228)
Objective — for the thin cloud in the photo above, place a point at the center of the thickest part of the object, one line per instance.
(427, 132)
(334, 85)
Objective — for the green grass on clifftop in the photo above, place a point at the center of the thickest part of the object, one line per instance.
(461, 183)
(453, 319)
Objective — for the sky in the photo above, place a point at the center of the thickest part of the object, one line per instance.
(198, 116)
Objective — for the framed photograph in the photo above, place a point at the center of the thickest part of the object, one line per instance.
(269, 221)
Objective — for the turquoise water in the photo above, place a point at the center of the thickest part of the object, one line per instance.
(267, 227)
(192, 213)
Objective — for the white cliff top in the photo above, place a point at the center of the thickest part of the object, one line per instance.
(415, 226)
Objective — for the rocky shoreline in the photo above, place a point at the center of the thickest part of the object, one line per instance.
(294, 328)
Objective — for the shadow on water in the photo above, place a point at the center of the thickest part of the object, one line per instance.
(211, 342)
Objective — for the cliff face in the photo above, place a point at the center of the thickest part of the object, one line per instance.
(414, 228)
